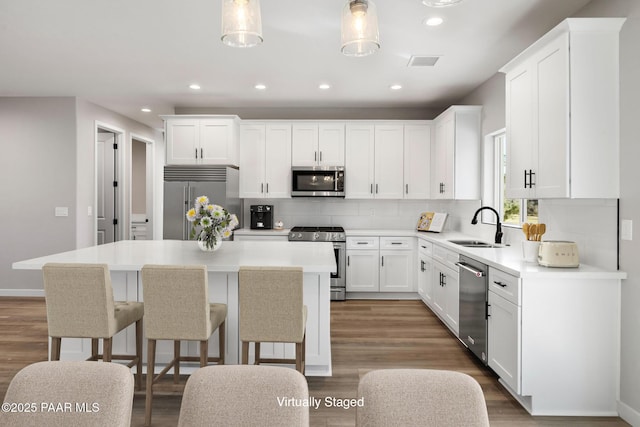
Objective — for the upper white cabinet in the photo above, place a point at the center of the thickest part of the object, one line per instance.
(562, 113)
(455, 160)
(265, 160)
(417, 161)
(387, 160)
(206, 140)
(318, 144)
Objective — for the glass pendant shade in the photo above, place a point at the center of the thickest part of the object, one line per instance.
(241, 23)
(360, 28)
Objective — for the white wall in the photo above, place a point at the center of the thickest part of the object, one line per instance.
(629, 195)
(37, 174)
(87, 115)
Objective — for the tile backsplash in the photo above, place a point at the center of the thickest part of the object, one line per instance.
(591, 223)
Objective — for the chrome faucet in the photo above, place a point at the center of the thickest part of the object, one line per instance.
(498, 225)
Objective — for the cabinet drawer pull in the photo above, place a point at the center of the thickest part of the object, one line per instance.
(396, 243)
(501, 284)
(362, 243)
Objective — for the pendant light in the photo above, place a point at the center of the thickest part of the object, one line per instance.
(360, 28)
(241, 23)
(440, 3)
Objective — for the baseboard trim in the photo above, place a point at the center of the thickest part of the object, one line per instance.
(629, 414)
(21, 292)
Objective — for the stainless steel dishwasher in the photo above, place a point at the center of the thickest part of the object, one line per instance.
(473, 306)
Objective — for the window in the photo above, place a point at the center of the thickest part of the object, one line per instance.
(513, 212)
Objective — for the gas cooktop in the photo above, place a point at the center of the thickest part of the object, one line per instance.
(320, 234)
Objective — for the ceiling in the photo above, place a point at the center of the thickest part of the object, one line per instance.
(125, 54)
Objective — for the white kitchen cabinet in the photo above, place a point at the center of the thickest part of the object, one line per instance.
(363, 273)
(380, 264)
(562, 107)
(265, 160)
(503, 336)
(318, 144)
(374, 158)
(455, 160)
(446, 287)
(425, 272)
(417, 161)
(201, 140)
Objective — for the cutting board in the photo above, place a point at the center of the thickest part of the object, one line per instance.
(432, 221)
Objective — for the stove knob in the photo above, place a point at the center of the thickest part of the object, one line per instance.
(292, 235)
(316, 236)
(299, 235)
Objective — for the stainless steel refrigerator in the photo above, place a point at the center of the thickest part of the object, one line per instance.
(182, 184)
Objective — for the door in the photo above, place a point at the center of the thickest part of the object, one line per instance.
(359, 156)
(176, 200)
(363, 271)
(395, 271)
(389, 158)
(504, 340)
(331, 144)
(277, 161)
(252, 164)
(304, 148)
(417, 158)
(183, 142)
(107, 155)
(215, 142)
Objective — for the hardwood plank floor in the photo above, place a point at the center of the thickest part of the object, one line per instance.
(365, 335)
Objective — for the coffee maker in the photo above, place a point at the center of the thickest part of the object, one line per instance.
(261, 217)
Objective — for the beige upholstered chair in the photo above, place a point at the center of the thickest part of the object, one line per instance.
(271, 310)
(70, 393)
(177, 308)
(245, 396)
(80, 304)
(420, 397)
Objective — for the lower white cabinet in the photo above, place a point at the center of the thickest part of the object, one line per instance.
(380, 264)
(446, 295)
(503, 329)
(425, 272)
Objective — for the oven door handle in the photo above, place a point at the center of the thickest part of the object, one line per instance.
(464, 266)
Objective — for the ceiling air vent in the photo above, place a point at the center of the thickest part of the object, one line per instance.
(422, 61)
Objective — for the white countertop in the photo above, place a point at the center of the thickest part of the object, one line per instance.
(507, 258)
(131, 255)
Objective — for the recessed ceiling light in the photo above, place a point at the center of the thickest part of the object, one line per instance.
(433, 21)
(260, 86)
(145, 110)
(395, 87)
(440, 3)
(324, 86)
(194, 86)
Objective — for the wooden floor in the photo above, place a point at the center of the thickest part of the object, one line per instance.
(365, 335)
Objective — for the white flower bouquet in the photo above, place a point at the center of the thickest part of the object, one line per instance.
(214, 222)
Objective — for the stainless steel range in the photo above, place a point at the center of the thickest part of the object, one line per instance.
(337, 237)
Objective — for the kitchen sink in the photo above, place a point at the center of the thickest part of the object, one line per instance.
(475, 244)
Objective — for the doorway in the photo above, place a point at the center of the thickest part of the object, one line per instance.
(108, 209)
(141, 188)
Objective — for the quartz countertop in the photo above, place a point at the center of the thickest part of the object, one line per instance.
(131, 255)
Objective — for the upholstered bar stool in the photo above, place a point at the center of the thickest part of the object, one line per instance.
(70, 393)
(177, 308)
(240, 395)
(420, 397)
(272, 310)
(79, 300)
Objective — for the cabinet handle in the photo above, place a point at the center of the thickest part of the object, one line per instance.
(382, 260)
(321, 156)
(315, 156)
(525, 178)
(444, 279)
(396, 243)
(196, 154)
(371, 188)
(422, 266)
(423, 247)
(348, 260)
(262, 187)
(531, 175)
(267, 188)
(487, 314)
(504, 285)
(201, 154)
(406, 188)
(376, 188)
(362, 243)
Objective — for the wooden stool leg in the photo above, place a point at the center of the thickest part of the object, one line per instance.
(245, 352)
(139, 354)
(257, 351)
(221, 335)
(176, 357)
(204, 353)
(304, 353)
(299, 357)
(151, 359)
(94, 348)
(56, 342)
(107, 349)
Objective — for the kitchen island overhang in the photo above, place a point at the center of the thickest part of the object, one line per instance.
(126, 258)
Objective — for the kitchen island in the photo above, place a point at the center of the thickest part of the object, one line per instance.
(126, 258)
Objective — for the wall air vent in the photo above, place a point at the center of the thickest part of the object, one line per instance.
(422, 61)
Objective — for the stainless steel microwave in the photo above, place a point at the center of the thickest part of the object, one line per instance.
(317, 181)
